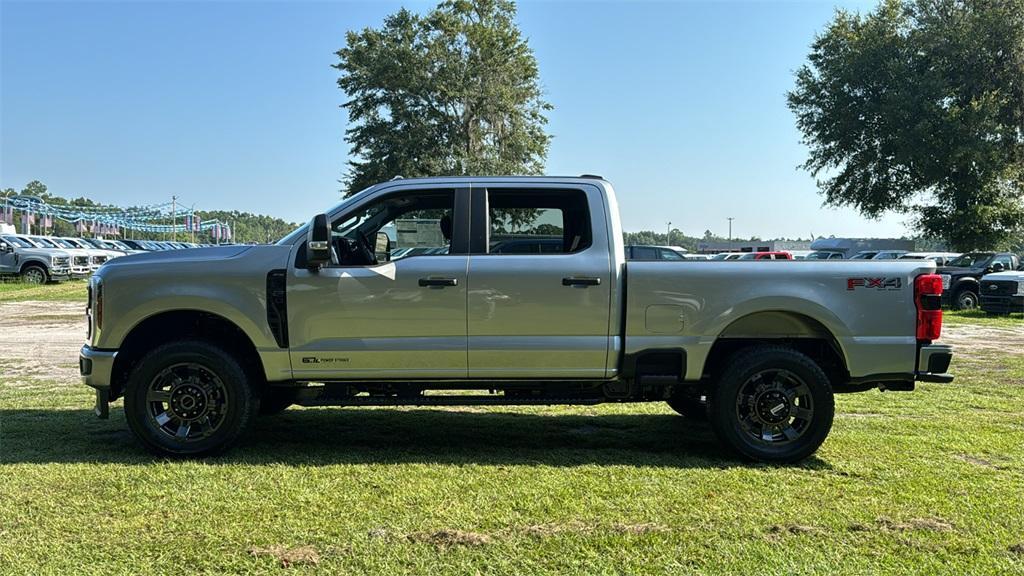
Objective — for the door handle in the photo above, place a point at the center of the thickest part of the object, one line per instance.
(439, 281)
(581, 281)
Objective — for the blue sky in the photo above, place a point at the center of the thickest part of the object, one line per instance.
(233, 105)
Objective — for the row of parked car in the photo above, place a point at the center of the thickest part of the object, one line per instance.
(41, 259)
(676, 253)
(992, 281)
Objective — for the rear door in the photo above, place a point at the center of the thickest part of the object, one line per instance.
(546, 314)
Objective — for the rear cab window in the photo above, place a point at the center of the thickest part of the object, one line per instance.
(537, 222)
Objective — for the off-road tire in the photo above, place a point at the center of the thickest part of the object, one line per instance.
(732, 410)
(966, 299)
(235, 385)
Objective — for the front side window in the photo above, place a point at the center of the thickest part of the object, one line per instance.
(418, 223)
(538, 222)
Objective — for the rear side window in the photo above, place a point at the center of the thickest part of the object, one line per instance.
(538, 222)
(1005, 259)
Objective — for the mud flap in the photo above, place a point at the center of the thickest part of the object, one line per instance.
(102, 408)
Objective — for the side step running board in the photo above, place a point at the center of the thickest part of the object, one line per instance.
(452, 400)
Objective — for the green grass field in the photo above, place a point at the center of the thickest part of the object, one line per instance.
(925, 482)
(15, 291)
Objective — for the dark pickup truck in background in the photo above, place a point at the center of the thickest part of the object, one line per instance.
(961, 277)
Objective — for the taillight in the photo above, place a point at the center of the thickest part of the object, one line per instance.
(928, 300)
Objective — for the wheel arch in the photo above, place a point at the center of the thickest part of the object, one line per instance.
(967, 282)
(781, 327)
(178, 324)
(34, 261)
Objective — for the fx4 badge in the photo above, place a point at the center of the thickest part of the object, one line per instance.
(875, 283)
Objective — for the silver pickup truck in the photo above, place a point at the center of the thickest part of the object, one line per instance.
(501, 291)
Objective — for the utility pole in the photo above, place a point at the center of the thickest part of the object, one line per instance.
(668, 233)
(174, 218)
(730, 219)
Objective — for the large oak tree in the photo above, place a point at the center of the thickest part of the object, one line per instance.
(918, 107)
(453, 92)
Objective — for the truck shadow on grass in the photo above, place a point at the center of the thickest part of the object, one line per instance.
(359, 436)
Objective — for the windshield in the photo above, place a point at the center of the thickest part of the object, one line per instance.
(301, 230)
(864, 256)
(970, 259)
(19, 241)
(748, 256)
(45, 242)
(819, 255)
(62, 243)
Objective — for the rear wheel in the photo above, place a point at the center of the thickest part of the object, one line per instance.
(34, 274)
(966, 299)
(772, 404)
(189, 398)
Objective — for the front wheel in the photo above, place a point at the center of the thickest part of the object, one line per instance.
(189, 398)
(772, 404)
(35, 274)
(966, 299)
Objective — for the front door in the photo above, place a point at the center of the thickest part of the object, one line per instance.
(8, 260)
(366, 316)
(539, 284)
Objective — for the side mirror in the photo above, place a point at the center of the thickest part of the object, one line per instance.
(4, 247)
(318, 242)
(998, 267)
(382, 249)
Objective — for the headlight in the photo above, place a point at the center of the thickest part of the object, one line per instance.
(945, 281)
(1020, 288)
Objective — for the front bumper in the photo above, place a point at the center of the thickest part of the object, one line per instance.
(1002, 304)
(96, 367)
(60, 274)
(933, 363)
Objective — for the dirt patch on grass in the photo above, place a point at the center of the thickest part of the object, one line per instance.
(929, 523)
(977, 461)
(1017, 548)
(444, 539)
(577, 527)
(975, 340)
(40, 340)
(299, 556)
(793, 529)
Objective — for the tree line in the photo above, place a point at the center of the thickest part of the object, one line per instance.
(916, 107)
